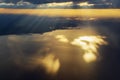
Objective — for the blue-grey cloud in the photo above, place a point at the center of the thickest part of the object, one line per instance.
(97, 3)
(49, 1)
(70, 4)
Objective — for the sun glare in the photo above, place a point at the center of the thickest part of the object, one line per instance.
(50, 63)
(89, 57)
(90, 45)
(85, 4)
(62, 38)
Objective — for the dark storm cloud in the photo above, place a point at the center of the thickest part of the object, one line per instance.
(24, 24)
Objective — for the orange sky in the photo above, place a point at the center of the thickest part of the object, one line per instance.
(88, 13)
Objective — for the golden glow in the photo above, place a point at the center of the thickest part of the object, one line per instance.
(54, 4)
(89, 44)
(62, 38)
(89, 57)
(85, 4)
(50, 63)
(82, 13)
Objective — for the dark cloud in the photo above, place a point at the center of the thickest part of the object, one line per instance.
(23, 24)
(42, 1)
(34, 3)
(49, 1)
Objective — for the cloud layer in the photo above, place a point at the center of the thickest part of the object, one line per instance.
(55, 4)
(50, 53)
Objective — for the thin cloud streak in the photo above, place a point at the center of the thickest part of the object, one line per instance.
(88, 13)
